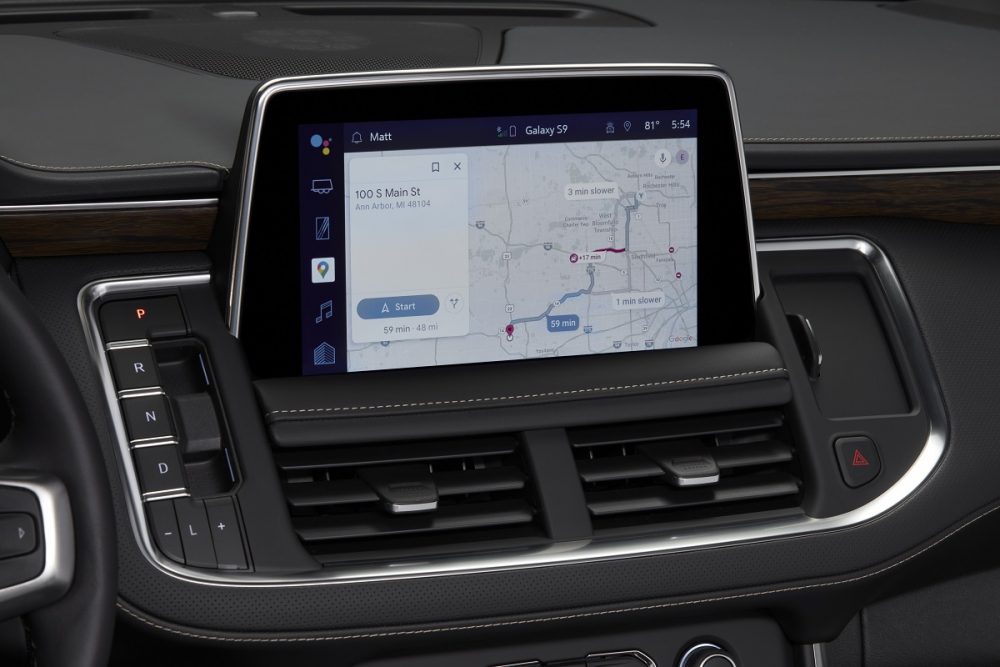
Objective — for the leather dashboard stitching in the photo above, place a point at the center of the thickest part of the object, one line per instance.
(562, 617)
(834, 140)
(176, 163)
(515, 397)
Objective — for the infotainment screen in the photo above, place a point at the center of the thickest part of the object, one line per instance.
(389, 230)
(484, 239)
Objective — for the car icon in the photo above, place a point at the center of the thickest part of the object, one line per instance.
(322, 186)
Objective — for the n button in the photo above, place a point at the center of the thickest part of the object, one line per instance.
(147, 417)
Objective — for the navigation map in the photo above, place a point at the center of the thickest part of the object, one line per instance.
(521, 251)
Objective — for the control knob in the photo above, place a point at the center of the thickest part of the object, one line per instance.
(705, 654)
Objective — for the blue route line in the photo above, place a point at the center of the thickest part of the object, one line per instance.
(568, 295)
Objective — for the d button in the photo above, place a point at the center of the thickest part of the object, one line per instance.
(159, 469)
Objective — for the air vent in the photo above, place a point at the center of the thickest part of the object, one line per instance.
(654, 472)
(410, 498)
(77, 15)
(524, 13)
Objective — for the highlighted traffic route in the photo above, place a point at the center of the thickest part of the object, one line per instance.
(562, 299)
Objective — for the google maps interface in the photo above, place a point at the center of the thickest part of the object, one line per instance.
(465, 255)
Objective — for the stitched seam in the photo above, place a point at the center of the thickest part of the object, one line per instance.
(515, 397)
(564, 617)
(176, 163)
(820, 140)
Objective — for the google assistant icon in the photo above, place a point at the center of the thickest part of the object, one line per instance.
(317, 141)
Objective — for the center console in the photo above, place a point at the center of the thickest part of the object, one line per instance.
(518, 322)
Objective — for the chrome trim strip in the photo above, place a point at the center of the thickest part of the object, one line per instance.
(638, 655)
(127, 344)
(145, 392)
(819, 655)
(264, 94)
(155, 442)
(166, 494)
(567, 552)
(138, 392)
(108, 205)
(870, 172)
(57, 538)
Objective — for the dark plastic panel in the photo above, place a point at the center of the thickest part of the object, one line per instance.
(311, 622)
(754, 641)
(865, 361)
(858, 376)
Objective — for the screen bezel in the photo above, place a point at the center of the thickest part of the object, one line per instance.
(266, 263)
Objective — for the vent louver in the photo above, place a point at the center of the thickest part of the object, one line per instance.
(419, 497)
(658, 472)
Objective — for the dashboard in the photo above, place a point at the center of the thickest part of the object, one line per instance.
(488, 335)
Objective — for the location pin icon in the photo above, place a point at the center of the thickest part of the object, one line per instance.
(627, 125)
(323, 268)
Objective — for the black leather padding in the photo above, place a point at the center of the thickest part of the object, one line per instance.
(53, 434)
(516, 395)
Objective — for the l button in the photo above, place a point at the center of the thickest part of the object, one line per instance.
(195, 533)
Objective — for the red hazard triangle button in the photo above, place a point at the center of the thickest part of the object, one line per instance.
(858, 459)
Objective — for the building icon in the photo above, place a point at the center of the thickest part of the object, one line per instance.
(324, 355)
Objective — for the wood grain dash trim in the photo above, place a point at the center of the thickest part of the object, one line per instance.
(47, 234)
(971, 197)
(965, 197)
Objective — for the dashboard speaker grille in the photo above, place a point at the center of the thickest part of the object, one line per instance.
(418, 497)
(258, 50)
(657, 472)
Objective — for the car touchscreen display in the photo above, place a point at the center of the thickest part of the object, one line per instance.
(457, 241)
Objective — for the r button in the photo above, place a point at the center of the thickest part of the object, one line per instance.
(858, 459)
(134, 367)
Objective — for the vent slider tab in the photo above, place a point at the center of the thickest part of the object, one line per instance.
(403, 489)
(687, 471)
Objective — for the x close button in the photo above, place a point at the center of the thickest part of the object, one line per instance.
(858, 459)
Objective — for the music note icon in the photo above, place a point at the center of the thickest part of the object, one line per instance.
(325, 311)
